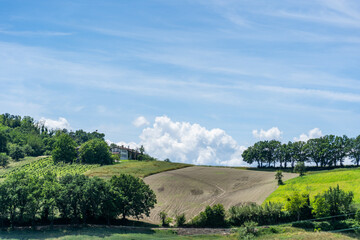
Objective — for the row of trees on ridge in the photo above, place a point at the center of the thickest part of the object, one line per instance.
(326, 151)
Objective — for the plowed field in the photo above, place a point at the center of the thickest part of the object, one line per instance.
(190, 190)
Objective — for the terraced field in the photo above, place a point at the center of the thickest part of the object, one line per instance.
(190, 190)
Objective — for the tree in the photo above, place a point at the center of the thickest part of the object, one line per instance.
(4, 160)
(299, 152)
(279, 176)
(333, 202)
(300, 168)
(137, 197)
(16, 152)
(64, 149)
(296, 203)
(142, 150)
(354, 150)
(3, 141)
(95, 151)
(50, 188)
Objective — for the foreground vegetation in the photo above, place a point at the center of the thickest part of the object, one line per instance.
(32, 199)
(134, 168)
(317, 182)
(112, 233)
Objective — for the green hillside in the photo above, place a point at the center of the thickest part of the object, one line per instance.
(135, 168)
(40, 165)
(317, 182)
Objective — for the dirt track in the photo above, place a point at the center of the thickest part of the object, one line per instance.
(191, 189)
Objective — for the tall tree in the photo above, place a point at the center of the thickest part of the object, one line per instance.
(137, 196)
(354, 150)
(64, 149)
(95, 151)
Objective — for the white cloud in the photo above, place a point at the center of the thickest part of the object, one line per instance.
(61, 123)
(272, 133)
(313, 133)
(140, 121)
(132, 145)
(190, 143)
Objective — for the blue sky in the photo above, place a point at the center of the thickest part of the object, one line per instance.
(161, 72)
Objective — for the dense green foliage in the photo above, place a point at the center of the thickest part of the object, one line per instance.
(267, 213)
(332, 202)
(34, 138)
(137, 197)
(64, 149)
(95, 151)
(327, 151)
(16, 152)
(212, 217)
(27, 198)
(4, 160)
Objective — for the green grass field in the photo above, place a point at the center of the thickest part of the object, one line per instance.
(41, 165)
(104, 233)
(114, 233)
(317, 182)
(135, 168)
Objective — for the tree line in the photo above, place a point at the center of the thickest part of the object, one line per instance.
(326, 151)
(26, 199)
(23, 136)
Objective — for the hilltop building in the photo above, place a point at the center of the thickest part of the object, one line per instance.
(125, 152)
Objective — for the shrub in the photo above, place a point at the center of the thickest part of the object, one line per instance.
(323, 226)
(16, 152)
(300, 168)
(332, 202)
(211, 217)
(4, 160)
(304, 224)
(180, 220)
(267, 213)
(279, 176)
(248, 231)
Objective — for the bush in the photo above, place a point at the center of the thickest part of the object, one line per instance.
(180, 220)
(16, 152)
(332, 202)
(211, 217)
(248, 230)
(4, 160)
(304, 224)
(323, 226)
(268, 213)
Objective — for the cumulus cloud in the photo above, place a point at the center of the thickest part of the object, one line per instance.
(140, 121)
(61, 123)
(190, 143)
(132, 145)
(272, 133)
(313, 133)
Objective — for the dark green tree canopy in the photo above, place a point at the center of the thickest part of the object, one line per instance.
(95, 151)
(64, 149)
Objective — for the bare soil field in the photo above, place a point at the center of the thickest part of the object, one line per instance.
(190, 190)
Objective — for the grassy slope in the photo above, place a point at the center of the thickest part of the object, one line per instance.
(41, 165)
(317, 182)
(135, 168)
